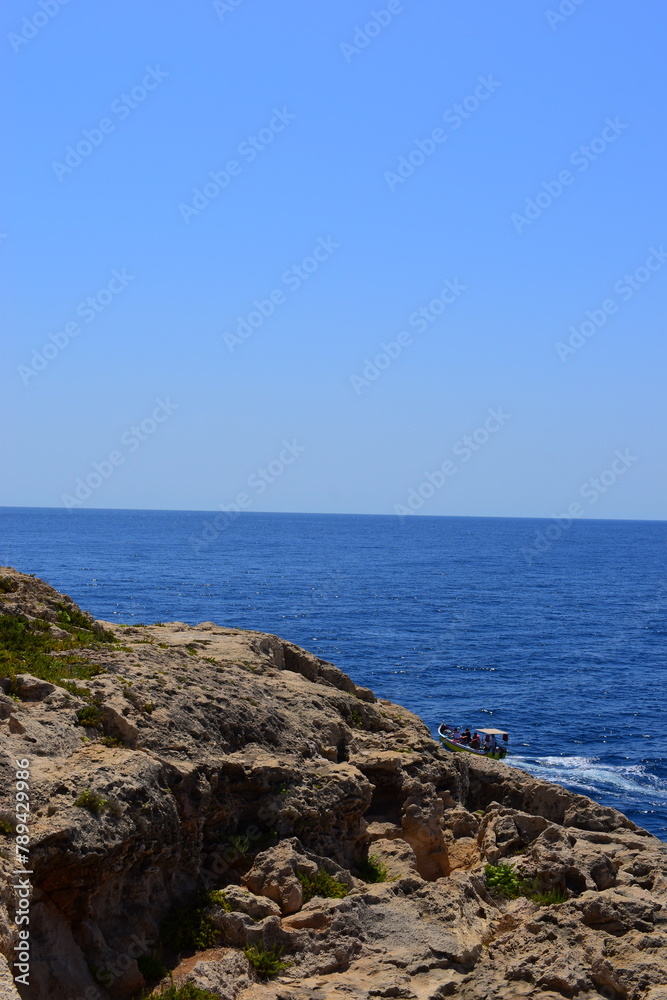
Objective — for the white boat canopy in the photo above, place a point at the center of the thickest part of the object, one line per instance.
(493, 732)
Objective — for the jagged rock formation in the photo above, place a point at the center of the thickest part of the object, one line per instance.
(208, 757)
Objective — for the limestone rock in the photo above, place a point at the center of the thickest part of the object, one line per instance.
(220, 759)
(8, 990)
(275, 874)
(244, 901)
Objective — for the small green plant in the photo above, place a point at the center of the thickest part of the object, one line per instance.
(504, 881)
(75, 689)
(266, 962)
(71, 618)
(91, 801)
(7, 826)
(356, 718)
(28, 644)
(150, 968)
(92, 715)
(163, 645)
(218, 898)
(191, 648)
(189, 928)
(547, 897)
(322, 884)
(148, 707)
(188, 991)
(7, 585)
(112, 741)
(241, 844)
(371, 869)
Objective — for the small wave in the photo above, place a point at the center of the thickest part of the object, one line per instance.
(477, 670)
(591, 776)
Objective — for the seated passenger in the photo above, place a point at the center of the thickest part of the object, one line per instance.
(474, 742)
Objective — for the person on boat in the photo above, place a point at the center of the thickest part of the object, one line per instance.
(455, 735)
(465, 737)
(493, 744)
(474, 742)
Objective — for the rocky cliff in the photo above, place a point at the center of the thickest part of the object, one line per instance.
(223, 805)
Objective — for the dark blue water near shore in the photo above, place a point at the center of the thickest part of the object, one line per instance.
(456, 618)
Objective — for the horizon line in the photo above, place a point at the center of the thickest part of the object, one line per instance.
(311, 513)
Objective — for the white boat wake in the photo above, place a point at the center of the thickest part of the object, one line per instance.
(589, 776)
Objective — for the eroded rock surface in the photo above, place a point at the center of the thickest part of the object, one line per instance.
(235, 762)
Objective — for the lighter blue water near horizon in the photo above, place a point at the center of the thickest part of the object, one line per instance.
(566, 649)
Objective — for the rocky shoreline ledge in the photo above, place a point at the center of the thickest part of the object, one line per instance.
(226, 807)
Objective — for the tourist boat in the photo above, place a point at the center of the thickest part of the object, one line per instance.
(445, 734)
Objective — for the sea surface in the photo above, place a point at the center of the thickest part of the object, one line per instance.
(557, 634)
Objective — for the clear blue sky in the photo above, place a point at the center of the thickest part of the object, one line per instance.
(335, 112)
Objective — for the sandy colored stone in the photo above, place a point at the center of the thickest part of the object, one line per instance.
(8, 990)
(246, 760)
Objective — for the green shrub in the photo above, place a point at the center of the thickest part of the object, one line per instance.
(72, 618)
(356, 718)
(91, 801)
(266, 961)
(75, 689)
(92, 715)
(7, 826)
(241, 844)
(113, 741)
(186, 992)
(7, 585)
(27, 645)
(371, 869)
(218, 898)
(504, 881)
(547, 897)
(148, 707)
(322, 884)
(189, 928)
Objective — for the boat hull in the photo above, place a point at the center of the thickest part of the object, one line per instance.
(461, 748)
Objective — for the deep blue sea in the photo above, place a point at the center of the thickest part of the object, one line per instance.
(457, 618)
